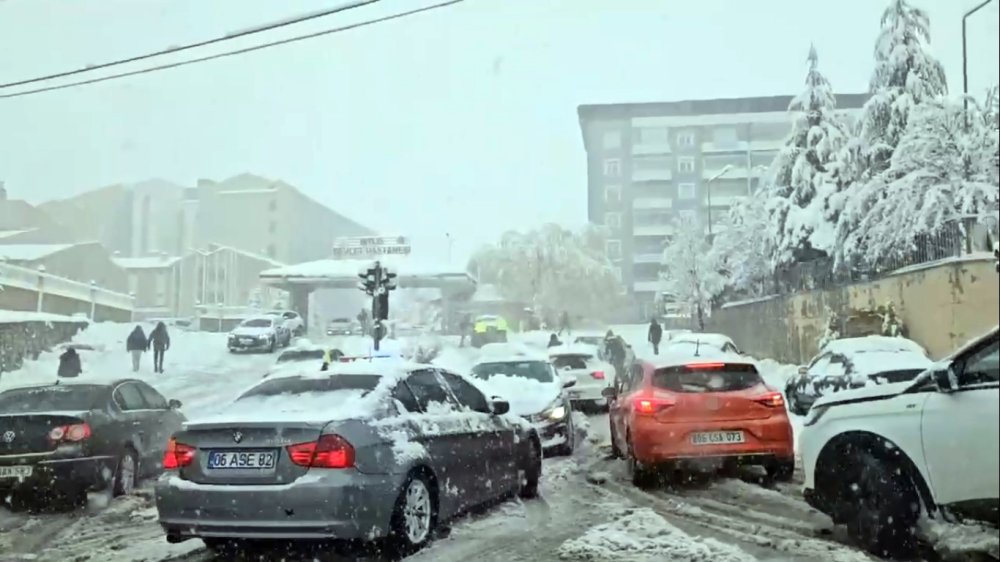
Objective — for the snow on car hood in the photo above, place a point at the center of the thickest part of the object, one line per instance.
(252, 331)
(872, 392)
(526, 396)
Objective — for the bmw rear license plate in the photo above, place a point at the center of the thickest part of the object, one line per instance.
(242, 460)
(717, 438)
(19, 471)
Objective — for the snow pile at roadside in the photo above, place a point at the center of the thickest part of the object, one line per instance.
(955, 539)
(640, 535)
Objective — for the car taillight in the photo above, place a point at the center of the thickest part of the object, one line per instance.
(599, 375)
(329, 451)
(704, 366)
(73, 433)
(649, 406)
(771, 399)
(178, 455)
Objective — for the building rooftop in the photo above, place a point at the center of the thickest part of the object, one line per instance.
(149, 262)
(703, 107)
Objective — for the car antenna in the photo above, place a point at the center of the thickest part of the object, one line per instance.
(697, 347)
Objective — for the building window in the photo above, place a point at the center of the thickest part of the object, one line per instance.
(688, 215)
(611, 139)
(612, 167)
(685, 165)
(614, 249)
(613, 220)
(272, 205)
(613, 194)
(272, 227)
(686, 191)
(725, 136)
(653, 135)
(685, 139)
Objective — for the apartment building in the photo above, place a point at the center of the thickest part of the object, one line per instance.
(649, 164)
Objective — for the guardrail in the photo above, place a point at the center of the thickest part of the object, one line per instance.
(48, 284)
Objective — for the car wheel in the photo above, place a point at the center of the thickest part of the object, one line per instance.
(126, 474)
(414, 516)
(532, 471)
(780, 470)
(641, 475)
(886, 507)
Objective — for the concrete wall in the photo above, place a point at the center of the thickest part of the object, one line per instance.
(941, 305)
(23, 300)
(25, 340)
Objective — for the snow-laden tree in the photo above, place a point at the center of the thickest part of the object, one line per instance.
(744, 249)
(798, 221)
(691, 270)
(943, 169)
(905, 75)
(553, 269)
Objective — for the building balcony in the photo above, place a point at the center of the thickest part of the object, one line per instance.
(652, 175)
(646, 286)
(766, 145)
(652, 148)
(652, 229)
(720, 147)
(735, 172)
(648, 257)
(652, 202)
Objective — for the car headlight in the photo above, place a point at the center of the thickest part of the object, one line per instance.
(555, 412)
(815, 413)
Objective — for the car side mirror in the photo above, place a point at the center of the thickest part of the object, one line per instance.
(499, 406)
(803, 370)
(176, 404)
(945, 378)
(608, 392)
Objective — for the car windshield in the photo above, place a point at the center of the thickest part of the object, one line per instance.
(711, 377)
(540, 371)
(311, 385)
(575, 361)
(54, 398)
(301, 355)
(257, 323)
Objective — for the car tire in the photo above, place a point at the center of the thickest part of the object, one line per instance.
(126, 473)
(532, 471)
(414, 516)
(642, 476)
(780, 470)
(885, 505)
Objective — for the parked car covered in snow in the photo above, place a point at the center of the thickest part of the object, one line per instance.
(876, 458)
(536, 391)
(58, 441)
(854, 363)
(592, 374)
(259, 333)
(365, 451)
(303, 357)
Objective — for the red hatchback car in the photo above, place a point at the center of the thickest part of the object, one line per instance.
(675, 411)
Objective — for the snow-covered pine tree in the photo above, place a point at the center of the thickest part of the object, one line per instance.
(744, 248)
(691, 271)
(943, 169)
(905, 75)
(801, 231)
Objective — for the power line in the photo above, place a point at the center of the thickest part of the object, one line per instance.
(227, 37)
(244, 50)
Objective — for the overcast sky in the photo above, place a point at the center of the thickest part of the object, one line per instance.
(460, 121)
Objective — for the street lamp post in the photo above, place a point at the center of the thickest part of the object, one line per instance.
(708, 190)
(965, 56)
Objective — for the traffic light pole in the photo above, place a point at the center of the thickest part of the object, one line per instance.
(377, 281)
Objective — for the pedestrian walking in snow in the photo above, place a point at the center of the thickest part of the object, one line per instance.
(135, 345)
(69, 364)
(554, 341)
(159, 339)
(655, 335)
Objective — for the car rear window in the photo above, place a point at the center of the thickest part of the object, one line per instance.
(257, 323)
(51, 399)
(570, 361)
(540, 371)
(310, 385)
(714, 377)
(301, 355)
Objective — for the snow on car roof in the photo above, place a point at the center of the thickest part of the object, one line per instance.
(573, 349)
(512, 358)
(717, 340)
(851, 346)
(707, 354)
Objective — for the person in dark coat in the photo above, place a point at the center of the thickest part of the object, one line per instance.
(554, 341)
(655, 335)
(136, 344)
(159, 339)
(69, 363)
(615, 349)
(465, 328)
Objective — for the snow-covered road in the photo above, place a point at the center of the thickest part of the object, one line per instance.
(588, 510)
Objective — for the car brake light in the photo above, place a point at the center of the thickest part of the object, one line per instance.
(73, 433)
(599, 375)
(329, 451)
(704, 366)
(771, 399)
(178, 455)
(648, 406)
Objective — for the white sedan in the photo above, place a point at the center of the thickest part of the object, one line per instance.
(592, 374)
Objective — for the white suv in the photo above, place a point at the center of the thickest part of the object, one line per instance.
(874, 458)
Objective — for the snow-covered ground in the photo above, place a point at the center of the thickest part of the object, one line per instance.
(588, 511)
